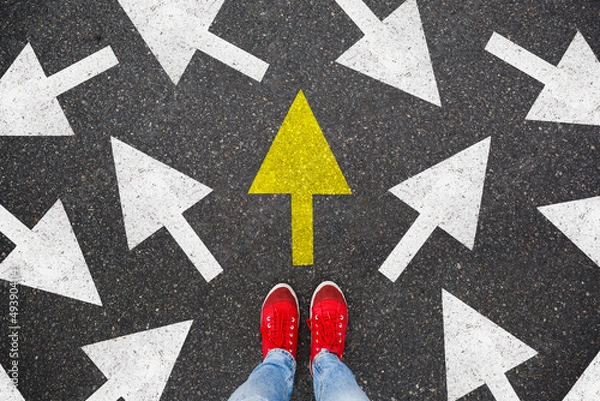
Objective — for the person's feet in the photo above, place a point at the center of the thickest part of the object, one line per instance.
(328, 320)
(279, 320)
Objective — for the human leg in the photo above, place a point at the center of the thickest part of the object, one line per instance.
(273, 379)
(333, 380)
(328, 324)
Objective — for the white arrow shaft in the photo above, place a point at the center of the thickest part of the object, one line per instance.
(408, 247)
(232, 55)
(520, 58)
(361, 15)
(107, 392)
(501, 389)
(193, 247)
(12, 228)
(81, 71)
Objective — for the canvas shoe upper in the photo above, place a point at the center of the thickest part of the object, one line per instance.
(328, 320)
(279, 320)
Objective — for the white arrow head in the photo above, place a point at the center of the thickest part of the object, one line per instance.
(26, 106)
(162, 25)
(174, 29)
(395, 52)
(587, 387)
(450, 192)
(580, 221)
(8, 391)
(152, 193)
(138, 366)
(50, 259)
(477, 350)
(573, 95)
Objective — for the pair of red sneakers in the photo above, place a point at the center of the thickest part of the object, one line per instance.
(328, 320)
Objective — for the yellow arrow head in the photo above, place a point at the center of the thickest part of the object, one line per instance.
(300, 160)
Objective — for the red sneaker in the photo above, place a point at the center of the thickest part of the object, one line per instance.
(279, 320)
(328, 320)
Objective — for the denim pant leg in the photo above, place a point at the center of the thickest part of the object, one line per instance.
(272, 380)
(333, 381)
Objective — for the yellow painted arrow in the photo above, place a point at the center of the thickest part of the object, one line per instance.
(300, 163)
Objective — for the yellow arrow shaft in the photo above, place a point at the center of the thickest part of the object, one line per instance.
(302, 230)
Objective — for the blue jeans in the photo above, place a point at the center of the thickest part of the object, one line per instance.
(273, 379)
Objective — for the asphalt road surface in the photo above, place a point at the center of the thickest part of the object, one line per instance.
(502, 97)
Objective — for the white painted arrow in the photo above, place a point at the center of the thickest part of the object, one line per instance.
(580, 221)
(137, 366)
(153, 195)
(447, 195)
(47, 257)
(28, 104)
(587, 387)
(478, 352)
(393, 51)
(571, 91)
(8, 391)
(174, 29)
